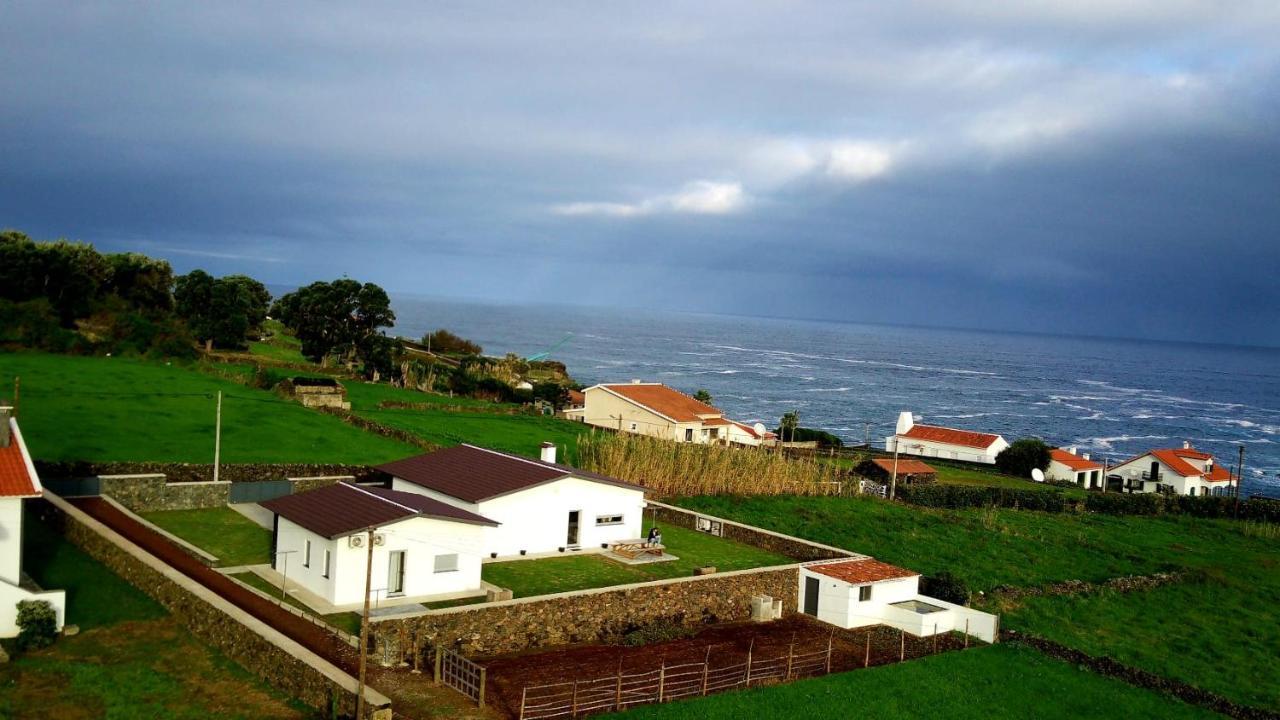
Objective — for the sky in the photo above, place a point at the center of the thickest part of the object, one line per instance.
(1076, 166)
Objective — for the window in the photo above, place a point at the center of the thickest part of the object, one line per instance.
(633, 427)
(447, 563)
(864, 593)
(688, 434)
(715, 433)
(608, 520)
(328, 557)
(306, 554)
(1191, 492)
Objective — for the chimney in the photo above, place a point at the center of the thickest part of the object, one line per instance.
(1072, 450)
(5, 413)
(548, 452)
(1085, 456)
(1186, 444)
(635, 381)
(905, 422)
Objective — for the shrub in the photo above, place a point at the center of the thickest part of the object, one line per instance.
(1023, 456)
(945, 587)
(963, 496)
(37, 624)
(1124, 503)
(660, 631)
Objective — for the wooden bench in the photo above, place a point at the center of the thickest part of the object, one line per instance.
(636, 548)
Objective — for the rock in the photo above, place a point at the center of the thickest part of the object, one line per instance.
(70, 630)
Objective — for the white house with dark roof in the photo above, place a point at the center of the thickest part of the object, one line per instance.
(18, 482)
(1181, 471)
(423, 549)
(540, 506)
(912, 438)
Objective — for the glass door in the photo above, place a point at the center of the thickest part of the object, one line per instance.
(395, 572)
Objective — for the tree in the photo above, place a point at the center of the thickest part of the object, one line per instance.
(337, 318)
(443, 341)
(787, 428)
(702, 396)
(1023, 456)
(218, 311)
(259, 300)
(555, 394)
(142, 282)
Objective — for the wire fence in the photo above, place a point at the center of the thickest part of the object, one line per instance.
(621, 690)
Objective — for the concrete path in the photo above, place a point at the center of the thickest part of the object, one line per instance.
(255, 512)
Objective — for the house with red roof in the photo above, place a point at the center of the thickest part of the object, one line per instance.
(540, 506)
(912, 438)
(18, 483)
(737, 433)
(861, 591)
(1072, 467)
(1181, 471)
(654, 409)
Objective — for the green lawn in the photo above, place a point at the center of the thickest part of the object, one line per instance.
(527, 578)
(519, 434)
(278, 344)
(1000, 681)
(98, 408)
(966, 475)
(233, 538)
(348, 622)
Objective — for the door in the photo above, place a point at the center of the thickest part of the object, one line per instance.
(811, 585)
(572, 538)
(395, 572)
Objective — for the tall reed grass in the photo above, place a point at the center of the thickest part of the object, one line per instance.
(670, 468)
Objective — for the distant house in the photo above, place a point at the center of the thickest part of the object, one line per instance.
(911, 438)
(423, 548)
(910, 472)
(1181, 471)
(858, 592)
(18, 482)
(737, 433)
(654, 409)
(576, 407)
(1079, 469)
(540, 505)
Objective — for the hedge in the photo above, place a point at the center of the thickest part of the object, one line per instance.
(965, 496)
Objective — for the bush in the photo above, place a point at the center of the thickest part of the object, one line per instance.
(1023, 456)
(945, 587)
(964, 496)
(37, 624)
(1124, 503)
(660, 631)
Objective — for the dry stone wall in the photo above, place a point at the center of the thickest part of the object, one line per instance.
(203, 472)
(603, 615)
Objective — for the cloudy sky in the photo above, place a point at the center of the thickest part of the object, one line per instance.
(1075, 166)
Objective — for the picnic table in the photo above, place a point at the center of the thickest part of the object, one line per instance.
(637, 548)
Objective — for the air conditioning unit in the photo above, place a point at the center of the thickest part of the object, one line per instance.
(355, 541)
(379, 540)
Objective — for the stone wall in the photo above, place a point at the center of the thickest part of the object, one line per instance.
(792, 547)
(144, 493)
(197, 472)
(255, 646)
(602, 615)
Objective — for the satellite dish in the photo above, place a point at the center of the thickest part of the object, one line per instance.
(760, 429)
(1037, 474)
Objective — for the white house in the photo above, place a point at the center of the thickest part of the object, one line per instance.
(653, 409)
(911, 438)
(737, 433)
(576, 407)
(423, 548)
(18, 481)
(1079, 469)
(857, 592)
(540, 506)
(1182, 471)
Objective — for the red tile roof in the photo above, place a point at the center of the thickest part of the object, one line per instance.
(951, 436)
(576, 398)
(343, 509)
(1192, 453)
(1218, 474)
(905, 466)
(862, 570)
(16, 476)
(1175, 460)
(664, 401)
(1075, 462)
(1175, 463)
(474, 474)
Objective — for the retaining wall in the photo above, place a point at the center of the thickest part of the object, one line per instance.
(203, 472)
(792, 547)
(154, 491)
(600, 615)
(276, 659)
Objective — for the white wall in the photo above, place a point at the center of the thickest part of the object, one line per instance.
(947, 451)
(10, 539)
(838, 601)
(10, 595)
(421, 539)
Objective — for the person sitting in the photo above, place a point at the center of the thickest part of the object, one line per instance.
(655, 536)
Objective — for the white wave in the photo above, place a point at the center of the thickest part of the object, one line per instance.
(1108, 443)
(834, 390)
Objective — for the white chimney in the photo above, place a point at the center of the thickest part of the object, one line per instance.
(5, 433)
(548, 452)
(1186, 444)
(1085, 456)
(1072, 450)
(635, 381)
(905, 422)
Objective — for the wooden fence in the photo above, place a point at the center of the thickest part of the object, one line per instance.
(461, 674)
(667, 682)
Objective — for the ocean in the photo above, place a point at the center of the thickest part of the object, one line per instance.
(1113, 398)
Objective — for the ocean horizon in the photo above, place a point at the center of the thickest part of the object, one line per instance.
(1112, 397)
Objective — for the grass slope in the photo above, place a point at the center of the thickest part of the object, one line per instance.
(233, 538)
(95, 408)
(1001, 681)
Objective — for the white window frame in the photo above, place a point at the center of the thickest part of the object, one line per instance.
(436, 563)
(306, 554)
(328, 562)
(864, 590)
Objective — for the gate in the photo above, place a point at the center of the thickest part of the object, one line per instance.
(252, 492)
(460, 674)
(74, 487)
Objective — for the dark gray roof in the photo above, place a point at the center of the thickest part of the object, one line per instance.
(474, 474)
(343, 509)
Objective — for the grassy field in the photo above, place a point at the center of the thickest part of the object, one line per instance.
(972, 476)
(278, 344)
(527, 578)
(95, 408)
(233, 538)
(1001, 681)
(131, 659)
(1217, 630)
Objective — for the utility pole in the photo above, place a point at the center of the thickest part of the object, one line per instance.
(285, 584)
(217, 439)
(893, 482)
(867, 440)
(364, 626)
(1239, 478)
(17, 382)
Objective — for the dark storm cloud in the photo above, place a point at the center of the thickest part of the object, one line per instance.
(1061, 166)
